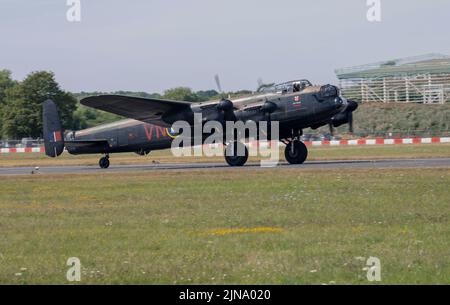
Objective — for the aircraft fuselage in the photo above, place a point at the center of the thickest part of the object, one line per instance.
(294, 111)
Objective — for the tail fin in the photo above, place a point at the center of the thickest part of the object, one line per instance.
(53, 131)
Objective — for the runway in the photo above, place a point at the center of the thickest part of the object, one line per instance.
(344, 164)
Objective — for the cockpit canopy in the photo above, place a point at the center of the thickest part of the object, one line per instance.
(287, 87)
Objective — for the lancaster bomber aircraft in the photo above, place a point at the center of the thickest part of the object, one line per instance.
(296, 105)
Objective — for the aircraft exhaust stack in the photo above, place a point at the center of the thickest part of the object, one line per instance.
(53, 131)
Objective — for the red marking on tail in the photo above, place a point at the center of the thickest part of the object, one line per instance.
(57, 136)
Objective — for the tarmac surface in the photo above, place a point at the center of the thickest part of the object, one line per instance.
(344, 164)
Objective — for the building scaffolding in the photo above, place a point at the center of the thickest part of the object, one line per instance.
(422, 79)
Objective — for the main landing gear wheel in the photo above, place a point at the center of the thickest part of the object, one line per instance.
(296, 152)
(236, 154)
(104, 162)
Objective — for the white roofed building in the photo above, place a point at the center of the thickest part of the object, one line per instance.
(421, 79)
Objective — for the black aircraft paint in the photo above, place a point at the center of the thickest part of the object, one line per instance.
(296, 105)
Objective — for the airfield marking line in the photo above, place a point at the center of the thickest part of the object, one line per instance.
(334, 164)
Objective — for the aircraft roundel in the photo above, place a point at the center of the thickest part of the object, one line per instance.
(171, 133)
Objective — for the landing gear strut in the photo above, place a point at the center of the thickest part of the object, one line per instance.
(295, 151)
(236, 154)
(104, 162)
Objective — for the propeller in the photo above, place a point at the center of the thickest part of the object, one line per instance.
(330, 125)
(219, 87)
(260, 83)
(350, 122)
(345, 117)
(225, 106)
(217, 79)
(352, 106)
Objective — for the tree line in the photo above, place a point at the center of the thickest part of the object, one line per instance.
(21, 104)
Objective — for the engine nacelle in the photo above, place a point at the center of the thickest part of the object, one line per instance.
(340, 119)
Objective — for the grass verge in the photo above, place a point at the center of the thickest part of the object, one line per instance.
(289, 226)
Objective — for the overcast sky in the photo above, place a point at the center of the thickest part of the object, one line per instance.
(152, 45)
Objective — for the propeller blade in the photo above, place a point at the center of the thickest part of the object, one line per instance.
(217, 79)
(330, 125)
(269, 126)
(259, 82)
(350, 122)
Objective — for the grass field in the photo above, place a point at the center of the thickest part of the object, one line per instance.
(315, 153)
(289, 226)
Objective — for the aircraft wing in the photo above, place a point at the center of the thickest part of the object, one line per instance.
(143, 109)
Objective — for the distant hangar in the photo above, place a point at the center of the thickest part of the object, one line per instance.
(421, 79)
